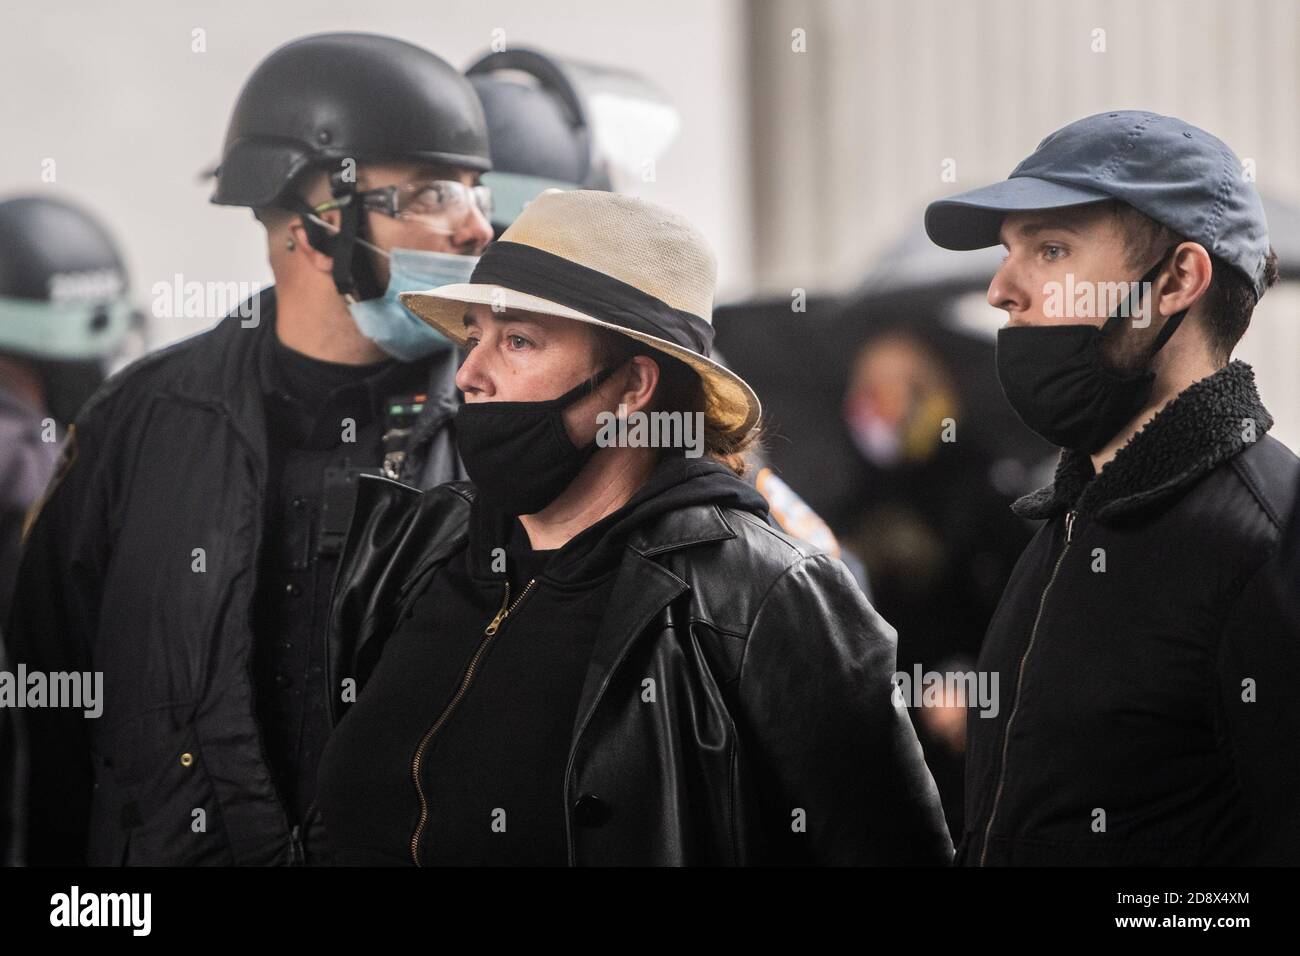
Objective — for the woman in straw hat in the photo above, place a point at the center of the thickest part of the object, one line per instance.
(598, 650)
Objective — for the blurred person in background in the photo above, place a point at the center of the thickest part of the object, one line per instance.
(188, 550)
(1143, 642)
(64, 311)
(928, 522)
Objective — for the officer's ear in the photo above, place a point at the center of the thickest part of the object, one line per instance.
(311, 232)
(299, 243)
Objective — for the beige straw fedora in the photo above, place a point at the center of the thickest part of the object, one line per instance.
(614, 261)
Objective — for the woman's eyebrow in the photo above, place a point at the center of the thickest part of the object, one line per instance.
(471, 322)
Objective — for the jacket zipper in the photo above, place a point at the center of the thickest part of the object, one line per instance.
(1020, 675)
(493, 626)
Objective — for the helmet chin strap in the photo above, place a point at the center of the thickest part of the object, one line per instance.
(353, 273)
(334, 230)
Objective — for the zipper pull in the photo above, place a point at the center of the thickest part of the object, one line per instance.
(496, 621)
(506, 607)
(1069, 526)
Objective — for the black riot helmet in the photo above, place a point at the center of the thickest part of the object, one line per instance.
(544, 117)
(64, 304)
(321, 101)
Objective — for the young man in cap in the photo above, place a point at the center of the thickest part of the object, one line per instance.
(1149, 663)
(187, 549)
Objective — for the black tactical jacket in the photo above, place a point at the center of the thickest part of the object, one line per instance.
(142, 565)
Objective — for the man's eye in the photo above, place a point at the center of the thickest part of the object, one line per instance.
(1050, 252)
(429, 198)
(517, 338)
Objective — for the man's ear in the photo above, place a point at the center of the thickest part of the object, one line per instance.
(1184, 282)
(319, 261)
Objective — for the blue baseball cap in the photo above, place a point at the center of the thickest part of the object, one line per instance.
(1175, 173)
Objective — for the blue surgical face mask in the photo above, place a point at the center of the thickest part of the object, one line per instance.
(388, 323)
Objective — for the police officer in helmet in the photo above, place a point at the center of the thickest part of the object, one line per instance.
(188, 548)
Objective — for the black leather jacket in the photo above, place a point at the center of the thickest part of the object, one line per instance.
(782, 744)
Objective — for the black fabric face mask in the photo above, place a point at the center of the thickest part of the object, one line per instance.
(519, 454)
(1059, 383)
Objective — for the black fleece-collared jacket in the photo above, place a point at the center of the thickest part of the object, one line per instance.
(1146, 657)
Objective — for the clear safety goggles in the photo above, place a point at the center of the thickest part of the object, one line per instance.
(441, 205)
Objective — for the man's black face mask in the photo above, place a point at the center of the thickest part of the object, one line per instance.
(1059, 383)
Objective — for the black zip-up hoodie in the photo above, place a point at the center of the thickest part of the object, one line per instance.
(456, 748)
